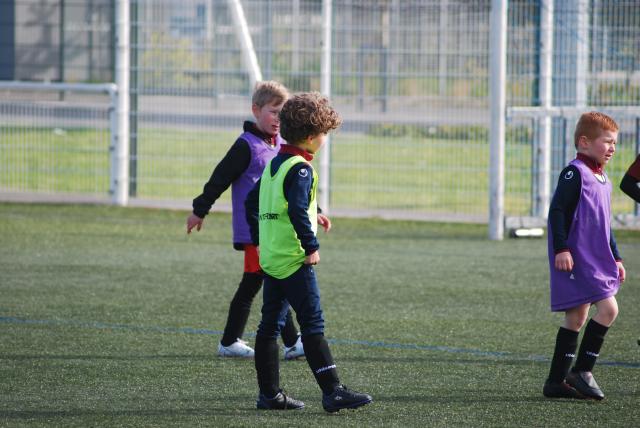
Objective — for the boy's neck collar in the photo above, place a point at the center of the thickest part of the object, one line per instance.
(293, 150)
(250, 126)
(594, 166)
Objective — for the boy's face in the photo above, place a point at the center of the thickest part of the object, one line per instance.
(267, 117)
(600, 149)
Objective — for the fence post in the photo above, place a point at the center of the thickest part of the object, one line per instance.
(120, 154)
(113, 139)
(497, 102)
(443, 52)
(582, 54)
(134, 67)
(545, 91)
(61, 76)
(8, 37)
(325, 88)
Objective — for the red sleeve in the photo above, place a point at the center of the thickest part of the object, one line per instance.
(634, 169)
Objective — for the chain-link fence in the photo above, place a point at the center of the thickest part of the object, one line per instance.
(410, 79)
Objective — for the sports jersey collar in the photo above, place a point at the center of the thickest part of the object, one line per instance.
(594, 166)
(293, 150)
(249, 126)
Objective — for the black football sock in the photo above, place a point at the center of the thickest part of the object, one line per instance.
(590, 346)
(289, 333)
(566, 344)
(267, 366)
(240, 307)
(319, 358)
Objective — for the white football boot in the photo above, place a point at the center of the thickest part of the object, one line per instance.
(295, 351)
(238, 349)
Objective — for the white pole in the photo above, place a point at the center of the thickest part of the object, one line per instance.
(295, 37)
(208, 18)
(546, 84)
(325, 88)
(120, 155)
(497, 80)
(443, 37)
(582, 52)
(244, 37)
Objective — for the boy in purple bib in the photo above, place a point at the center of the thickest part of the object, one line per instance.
(241, 167)
(585, 266)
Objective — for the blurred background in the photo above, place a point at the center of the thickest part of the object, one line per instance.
(410, 78)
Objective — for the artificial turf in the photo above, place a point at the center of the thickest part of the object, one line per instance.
(111, 317)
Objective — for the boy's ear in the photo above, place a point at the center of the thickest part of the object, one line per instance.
(583, 142)
(255, 109)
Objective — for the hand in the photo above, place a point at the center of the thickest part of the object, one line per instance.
(324, 221)
(622, 272)
(564, 262)
(194, 221)
(312, 259)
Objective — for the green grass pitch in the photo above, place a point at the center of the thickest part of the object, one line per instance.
(410, 174)
(109, 317)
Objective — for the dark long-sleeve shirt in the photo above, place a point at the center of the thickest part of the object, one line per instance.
(232, 166)
(563, 206)
(629, 183)
(297, 191)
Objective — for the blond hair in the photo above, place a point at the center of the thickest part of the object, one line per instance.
(269, 92)
(592, 124)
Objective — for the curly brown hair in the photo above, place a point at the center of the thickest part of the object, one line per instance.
(307, 114)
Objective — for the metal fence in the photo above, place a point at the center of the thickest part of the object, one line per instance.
(57, 139)
(57, 40)
(410, 79)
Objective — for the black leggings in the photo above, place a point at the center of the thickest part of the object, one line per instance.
(241, 306)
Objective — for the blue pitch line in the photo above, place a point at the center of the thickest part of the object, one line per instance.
(366, 343)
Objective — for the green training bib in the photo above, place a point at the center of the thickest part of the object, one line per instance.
(280, 251)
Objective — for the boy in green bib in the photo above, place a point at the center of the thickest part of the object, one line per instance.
(282, 215)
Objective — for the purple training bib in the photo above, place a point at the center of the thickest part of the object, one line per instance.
(595, 274)
(261, 154)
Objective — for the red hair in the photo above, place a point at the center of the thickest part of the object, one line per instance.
(592, 124)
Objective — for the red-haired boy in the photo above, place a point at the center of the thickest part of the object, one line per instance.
(585, 266)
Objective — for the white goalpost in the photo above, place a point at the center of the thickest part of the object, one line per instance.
(497, 105)
(120, 154)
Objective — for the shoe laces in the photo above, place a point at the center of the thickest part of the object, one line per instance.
(338, 389)
(285, 396)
